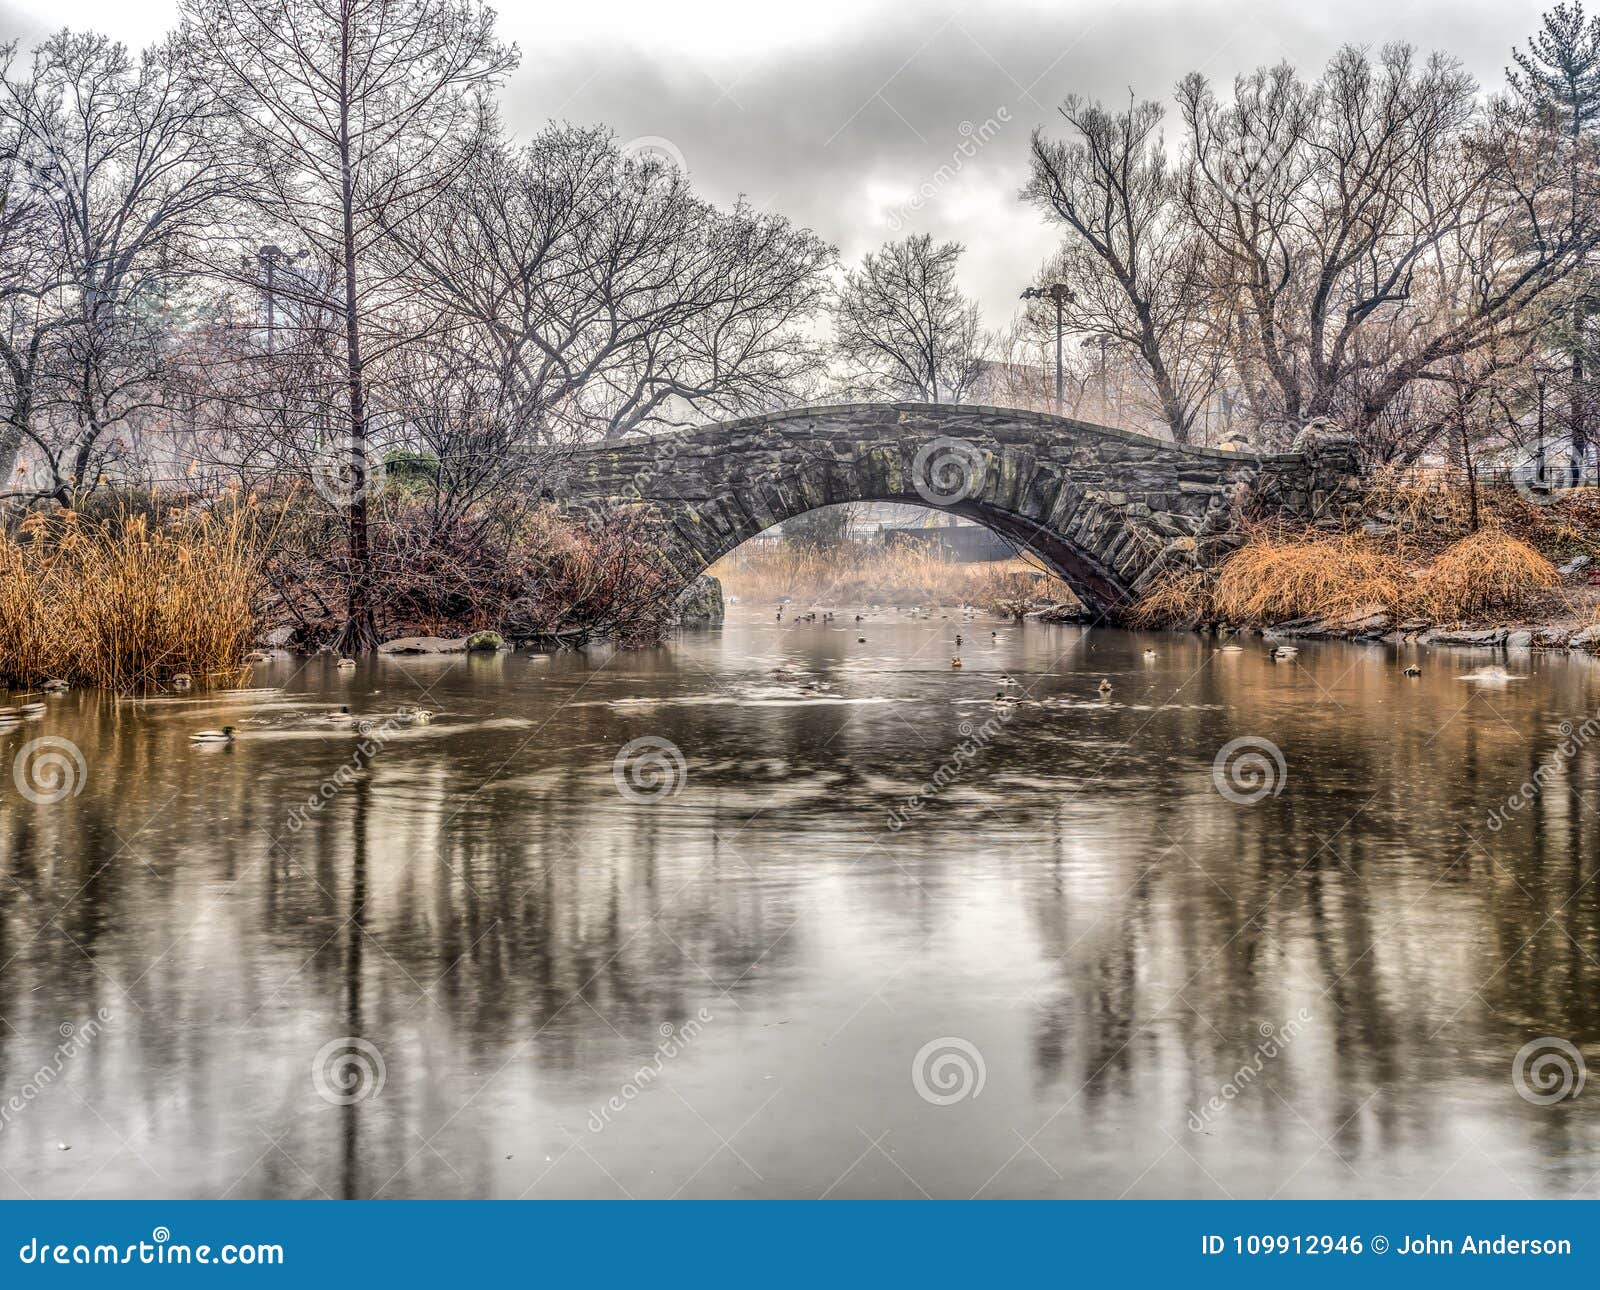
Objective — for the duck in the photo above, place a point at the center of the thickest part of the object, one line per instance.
(345, 663)
(1285, 651)
(420, 716)
(1149, 653)
(223, 736)
(182, 681)
(1413, 670)
(1232, 649)
(955, 663)
(55, 685)
(1105, 686)
(958, 638)
(861, 640)
(340, 718)
(258, 656)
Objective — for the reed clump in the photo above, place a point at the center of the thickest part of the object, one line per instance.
(1273, 579)
(1179, 598)
(900, 574)
(1486, 572)
(126, 604)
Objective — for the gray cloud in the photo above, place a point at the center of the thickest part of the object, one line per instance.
(842, 131)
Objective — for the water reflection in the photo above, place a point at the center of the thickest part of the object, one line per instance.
(722, 987)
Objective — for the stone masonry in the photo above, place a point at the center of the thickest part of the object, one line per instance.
(1106, 509)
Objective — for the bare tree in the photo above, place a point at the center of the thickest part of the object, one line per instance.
(902, 326)
(114, 174)
(1130, 261)
(602, 296)
(355, 114)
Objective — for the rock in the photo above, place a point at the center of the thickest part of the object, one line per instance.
(1588, 638)
(1415, 625)
(485, 642)
(1520, 639)
(1573, 565)
(1487, 636)
(425, 645)
(700, 604)
(1552, 637)
(1369, 620)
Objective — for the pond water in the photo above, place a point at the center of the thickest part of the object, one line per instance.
(841, 925)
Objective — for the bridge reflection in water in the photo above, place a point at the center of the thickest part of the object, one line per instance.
(513, 935)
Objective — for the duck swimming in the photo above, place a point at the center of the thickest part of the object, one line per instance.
(1105, 686)
(223, 736)
(955, 663)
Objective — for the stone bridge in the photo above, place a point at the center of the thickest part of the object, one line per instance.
(1107, 510)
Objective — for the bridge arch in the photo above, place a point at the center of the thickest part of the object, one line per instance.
(1105, 509)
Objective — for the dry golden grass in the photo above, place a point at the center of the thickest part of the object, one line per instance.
(1273, 579)
(1489, 571)
(1179, 597)
(902, 574)
(114, 604)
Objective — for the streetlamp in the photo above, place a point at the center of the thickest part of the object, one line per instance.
(270, 257)
(1058, 292)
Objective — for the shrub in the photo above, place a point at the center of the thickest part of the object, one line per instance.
(1179, 597)
(1272, 579)
(1489, 571)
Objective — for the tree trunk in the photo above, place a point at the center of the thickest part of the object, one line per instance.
(360, 632)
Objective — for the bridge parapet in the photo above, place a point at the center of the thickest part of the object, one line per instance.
(1106, 508)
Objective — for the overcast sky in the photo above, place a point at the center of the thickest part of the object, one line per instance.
(836, 112)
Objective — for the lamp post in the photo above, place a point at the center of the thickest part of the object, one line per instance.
(270, 257)
(1059, 292)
